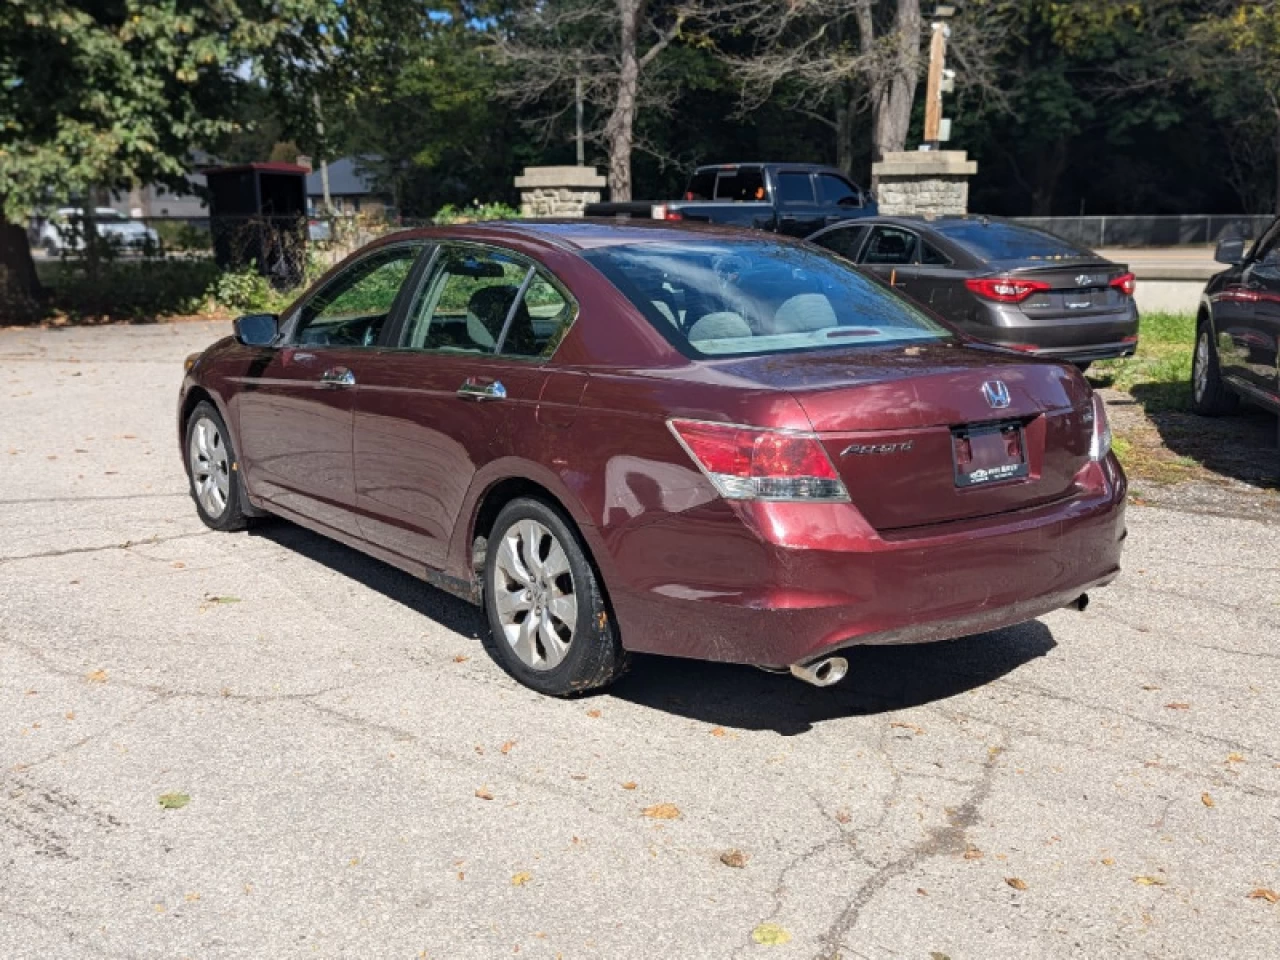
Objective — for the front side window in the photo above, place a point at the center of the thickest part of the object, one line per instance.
(485, 301)
(846, 241)
(836, 191)
(734, 297)
(351, 309)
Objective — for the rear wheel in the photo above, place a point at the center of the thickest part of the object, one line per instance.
(551, 627)
(214, 470)
(1210, 396)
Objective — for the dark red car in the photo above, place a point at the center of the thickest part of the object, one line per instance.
(626, 438)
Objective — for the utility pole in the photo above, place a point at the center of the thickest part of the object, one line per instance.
(577, 110)
(324, 163)
(940, 81)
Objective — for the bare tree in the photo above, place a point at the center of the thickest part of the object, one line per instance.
(610, 47)
(837, 59)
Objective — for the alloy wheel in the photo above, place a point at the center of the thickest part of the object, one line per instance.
(210, 467)
(1200, 366)
(533, 590)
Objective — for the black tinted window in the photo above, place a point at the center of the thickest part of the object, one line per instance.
(742, 185)
(931, 256)
(795, 188)
(1007, 241)
(702, 186)
(835, 190)
(845, 241)
(891, 245)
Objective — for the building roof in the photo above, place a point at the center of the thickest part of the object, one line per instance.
(346, 179)
(259, 167)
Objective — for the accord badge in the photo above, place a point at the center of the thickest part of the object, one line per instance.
(861, 449)
(997, 394)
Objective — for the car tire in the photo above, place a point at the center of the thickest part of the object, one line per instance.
(213, 471)
(1210, 396)
(537, 578)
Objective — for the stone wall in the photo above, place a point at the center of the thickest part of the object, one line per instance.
(923, 183)
(558, 191)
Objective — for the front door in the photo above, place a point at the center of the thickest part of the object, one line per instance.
(459, 388)
(798, 211)
(295, 407)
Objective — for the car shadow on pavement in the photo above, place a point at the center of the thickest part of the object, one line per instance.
(445, 609)
(881, 679)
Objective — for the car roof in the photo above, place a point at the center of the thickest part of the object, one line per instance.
(590, 233)
(797, 167)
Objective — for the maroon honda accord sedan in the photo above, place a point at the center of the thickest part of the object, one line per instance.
(622, 438)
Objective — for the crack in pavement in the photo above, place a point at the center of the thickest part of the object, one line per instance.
(127, 544)
(939, 841)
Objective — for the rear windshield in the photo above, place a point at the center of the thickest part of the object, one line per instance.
(734, 298)
(1006, 241)
(731, 185)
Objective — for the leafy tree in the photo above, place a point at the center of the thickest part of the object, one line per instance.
(99, 94)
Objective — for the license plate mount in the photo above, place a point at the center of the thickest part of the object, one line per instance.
(983, 454)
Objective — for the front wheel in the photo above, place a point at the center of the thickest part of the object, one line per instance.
(550, 624)
(1210, 396)
(214, 470)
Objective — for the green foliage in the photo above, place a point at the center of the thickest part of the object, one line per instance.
(475, 212)
(129, 289)
(244, 291)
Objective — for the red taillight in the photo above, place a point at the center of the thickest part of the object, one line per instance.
(660, 211)
(1005, 289)
(750, 463)
(1125, 284)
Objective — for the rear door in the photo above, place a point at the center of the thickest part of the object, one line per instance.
(295, 407)
(459, 388)
(799, 213)
(1247, 316)
(910, 263)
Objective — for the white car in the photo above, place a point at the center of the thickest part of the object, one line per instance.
(62, 231)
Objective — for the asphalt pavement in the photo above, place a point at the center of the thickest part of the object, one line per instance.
(267, 745)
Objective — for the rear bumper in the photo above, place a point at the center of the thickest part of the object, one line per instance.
(1086, 354)
(1072, 339)
(754, 584)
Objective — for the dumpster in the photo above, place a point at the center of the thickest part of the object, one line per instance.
(258, 218)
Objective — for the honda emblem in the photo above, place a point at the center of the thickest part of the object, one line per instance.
(997, 393)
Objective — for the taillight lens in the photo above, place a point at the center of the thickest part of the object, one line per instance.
(1125, 283)
(751, 463)
(1005, 289)
(1100, 442)
(660, 211)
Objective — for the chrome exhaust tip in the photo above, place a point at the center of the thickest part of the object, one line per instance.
(1080, 603)
(821, 673)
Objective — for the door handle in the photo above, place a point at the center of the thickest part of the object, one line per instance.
(338, 377)
(470, 390)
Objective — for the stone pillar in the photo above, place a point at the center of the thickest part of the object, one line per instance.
(923, 182)
(558, 191)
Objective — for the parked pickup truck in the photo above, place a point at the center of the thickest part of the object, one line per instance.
(790, 198)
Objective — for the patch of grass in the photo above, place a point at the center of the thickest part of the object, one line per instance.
(1165, 344)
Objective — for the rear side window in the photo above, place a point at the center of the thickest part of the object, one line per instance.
(892, 246)
(991, 240)
(736, 298)
(846, 241)
(795, 188)
(836, 191)
(702, 186)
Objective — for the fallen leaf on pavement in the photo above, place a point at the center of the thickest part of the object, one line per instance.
(1149, 881)
(461, 658)
(98, 676)
(770, 935)
(521, 878)
(938, 955)
(192, 897)
(1107, 861)
(484, 793)
(629, 785)
(1206, 800)
(506, 747)
(174, 801)
(215, 598)
(718, 732)
(973, 853)
(594, 714)
(1263, 893)
(907, 726)
(662, 811)
(1149, 686)
(734, 858)
(1016, 883)
(1177, 706)
(842, 816)
(1235, 758)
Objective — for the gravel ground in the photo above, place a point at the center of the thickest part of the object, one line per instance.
(361, 781)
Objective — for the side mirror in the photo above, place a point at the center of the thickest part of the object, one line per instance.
(1230, 251)
(257, 329)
